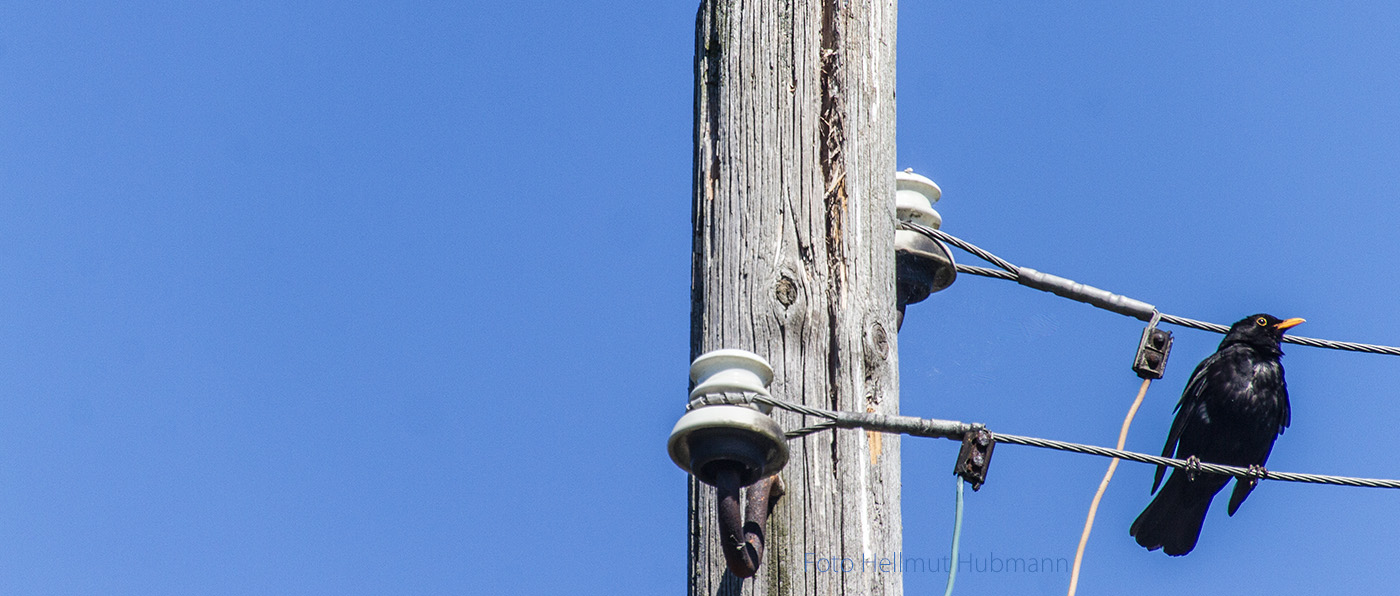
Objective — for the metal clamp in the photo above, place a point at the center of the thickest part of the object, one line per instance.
(1152, 352)
(975, 457)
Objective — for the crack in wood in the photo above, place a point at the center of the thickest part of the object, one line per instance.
(831, 132)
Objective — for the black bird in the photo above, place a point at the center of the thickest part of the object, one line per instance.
(1233, 408)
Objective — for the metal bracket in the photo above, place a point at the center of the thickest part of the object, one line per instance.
(975, 457)
(1152, 352)
(741, 529)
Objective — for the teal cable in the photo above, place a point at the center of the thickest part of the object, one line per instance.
(957, 534)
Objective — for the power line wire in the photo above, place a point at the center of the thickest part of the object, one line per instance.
(951, 429)
(1107, 300)
(986, 272)
(1237, 472)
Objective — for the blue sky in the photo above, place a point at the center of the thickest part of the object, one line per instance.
(350, 298)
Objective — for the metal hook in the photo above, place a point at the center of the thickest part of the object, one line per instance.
(742, 540)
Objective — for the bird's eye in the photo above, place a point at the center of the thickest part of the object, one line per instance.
(1262, 321)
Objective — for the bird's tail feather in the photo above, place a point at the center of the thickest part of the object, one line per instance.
(1172, 522)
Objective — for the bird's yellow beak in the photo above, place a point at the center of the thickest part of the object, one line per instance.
(1289, 323)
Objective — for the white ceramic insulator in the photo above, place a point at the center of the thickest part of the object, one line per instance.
(914, 198)
(730, 371)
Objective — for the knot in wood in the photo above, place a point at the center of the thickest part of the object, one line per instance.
(785, 291)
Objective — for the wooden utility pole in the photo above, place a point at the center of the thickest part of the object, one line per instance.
(794, 260)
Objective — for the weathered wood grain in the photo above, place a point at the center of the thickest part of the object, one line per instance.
(794, 260)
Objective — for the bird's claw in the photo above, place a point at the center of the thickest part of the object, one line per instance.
(1257, 473)
(1193, 467)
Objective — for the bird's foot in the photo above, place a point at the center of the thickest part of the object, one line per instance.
(1257, 473)
(1193, 467)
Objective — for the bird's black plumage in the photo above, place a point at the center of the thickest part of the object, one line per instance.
(1233, 408)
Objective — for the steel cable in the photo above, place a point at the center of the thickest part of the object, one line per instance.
(1094, 296)
(951, 429)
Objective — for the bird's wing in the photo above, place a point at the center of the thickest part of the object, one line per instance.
(1189, 408)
